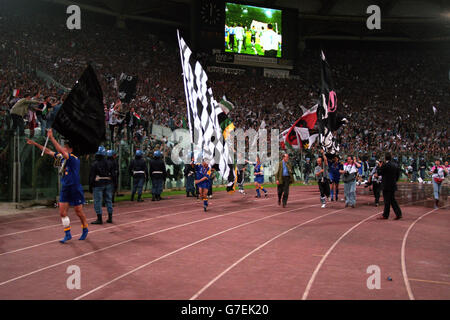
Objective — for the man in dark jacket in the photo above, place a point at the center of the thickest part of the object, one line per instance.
(189, 174)
(138, 170)
(422, 169)
(284, 177)
(414, 169)
(101, 179)
(390, 171)
(158, 175)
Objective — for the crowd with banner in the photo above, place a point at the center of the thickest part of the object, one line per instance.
(378, 107)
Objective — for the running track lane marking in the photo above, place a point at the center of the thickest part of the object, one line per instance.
(195, 296)
(133, 239)
(430, 281)
(91, 219)
(311, 280)
(405, 275)
(185, 247)
(98, 230)
(126, 207)
(52, 215)
(115, 226)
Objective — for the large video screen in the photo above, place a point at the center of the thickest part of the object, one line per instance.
(252, 30)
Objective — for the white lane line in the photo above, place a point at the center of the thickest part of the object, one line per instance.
(115, 226)
(195, 296)
(57, 213)
(311, 280)
(403, 255)
(316, 271)
(129, 240)
(99, 230)
(92, 219)
(185, 247)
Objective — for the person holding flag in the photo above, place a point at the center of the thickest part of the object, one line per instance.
(321, 172)
(335, 176)
(259, 177)
(132, 120)
(71, 190)
(203, 173)
(41, 113)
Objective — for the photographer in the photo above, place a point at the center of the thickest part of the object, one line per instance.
(375, 179)
(349, 178)
(438, 173)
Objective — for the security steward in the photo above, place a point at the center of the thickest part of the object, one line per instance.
(158, 175)
(101, 178)
(138, 169)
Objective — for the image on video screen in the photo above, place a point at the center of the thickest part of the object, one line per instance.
(252, 30)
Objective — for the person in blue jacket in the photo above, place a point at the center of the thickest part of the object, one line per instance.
(259, 178)
(335, 176)
(202, 175)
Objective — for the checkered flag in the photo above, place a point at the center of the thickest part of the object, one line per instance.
(203, 111)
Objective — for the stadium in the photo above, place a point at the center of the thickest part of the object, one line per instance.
(225, 151)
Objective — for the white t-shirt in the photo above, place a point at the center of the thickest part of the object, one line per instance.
(269, 40)
(112, 117)
(350, 168)
(239, 33)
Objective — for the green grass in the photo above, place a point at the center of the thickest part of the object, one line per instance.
(250, 186)
(249, 49)
(147, 194)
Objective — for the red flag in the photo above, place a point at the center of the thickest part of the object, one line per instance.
(307, 120)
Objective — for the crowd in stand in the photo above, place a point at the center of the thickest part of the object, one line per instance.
(393, 100)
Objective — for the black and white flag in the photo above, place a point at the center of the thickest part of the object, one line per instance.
(127, 87)
(327, 118)
(203, 111)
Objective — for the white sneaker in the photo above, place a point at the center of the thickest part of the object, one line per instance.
(324, 205)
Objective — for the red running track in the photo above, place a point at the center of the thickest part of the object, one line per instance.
(242, 248)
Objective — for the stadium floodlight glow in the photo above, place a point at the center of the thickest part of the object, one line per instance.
(245, 10)
(268, 13)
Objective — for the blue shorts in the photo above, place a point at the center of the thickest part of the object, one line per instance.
(259, 179)
(335, 179)
(204, 184)
(72, 194)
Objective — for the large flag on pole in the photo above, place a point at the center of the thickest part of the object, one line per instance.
(327, 110)
(205, 116)
(81, 118)
(127, 87)
(301, 131)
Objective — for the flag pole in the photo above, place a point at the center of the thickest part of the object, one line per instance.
(185, 88)
(45, 146)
